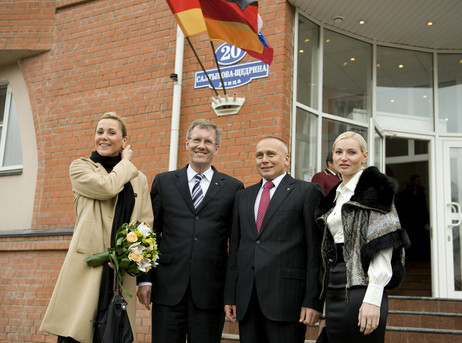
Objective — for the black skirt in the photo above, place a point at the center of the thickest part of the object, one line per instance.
(342, 310)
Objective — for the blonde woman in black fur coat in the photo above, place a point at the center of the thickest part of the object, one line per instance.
(363, 246)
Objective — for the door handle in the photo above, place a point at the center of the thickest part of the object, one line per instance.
(454, 215)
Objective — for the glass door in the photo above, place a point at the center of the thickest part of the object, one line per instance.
(377, 146)
(452, 176)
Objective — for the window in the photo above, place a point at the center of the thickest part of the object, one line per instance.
(404, 89)
(10, 138)
(450, 93)
(307, 63)
(347, 77)
(305, 150)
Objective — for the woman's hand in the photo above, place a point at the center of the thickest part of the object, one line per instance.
(127, 153)
(368, 318)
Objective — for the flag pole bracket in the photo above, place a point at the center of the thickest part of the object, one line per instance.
(227, 105)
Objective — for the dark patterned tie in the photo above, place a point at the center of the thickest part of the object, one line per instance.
(197, 194)
(264, 201)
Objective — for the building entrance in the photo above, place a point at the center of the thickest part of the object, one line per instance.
(407, 162)
(450, 235)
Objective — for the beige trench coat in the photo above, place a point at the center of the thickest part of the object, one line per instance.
(74, 302)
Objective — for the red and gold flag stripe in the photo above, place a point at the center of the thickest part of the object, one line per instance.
(188, 15)
(226, 21)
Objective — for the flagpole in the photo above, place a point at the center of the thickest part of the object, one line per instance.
(203, 69)
(218, 66)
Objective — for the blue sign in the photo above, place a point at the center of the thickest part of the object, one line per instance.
(228, 54)
(233, 75)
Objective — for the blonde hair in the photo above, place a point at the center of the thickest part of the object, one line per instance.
(356, 136)
(114, 116)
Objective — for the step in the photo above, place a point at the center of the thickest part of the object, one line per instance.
(231, 332)
(421, 337)
(410, 319)
(231, 338)
(424, 304)
(428, 320)
(392, 335)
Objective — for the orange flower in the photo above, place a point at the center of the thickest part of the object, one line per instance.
(133, 256)
(131, 237)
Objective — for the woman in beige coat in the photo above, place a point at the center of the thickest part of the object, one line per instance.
(108, 190)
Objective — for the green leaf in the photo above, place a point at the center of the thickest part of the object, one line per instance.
(98, 259)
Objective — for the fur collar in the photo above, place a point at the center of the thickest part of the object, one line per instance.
(374, 190)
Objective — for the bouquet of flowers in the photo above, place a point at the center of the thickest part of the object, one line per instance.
(135, 250)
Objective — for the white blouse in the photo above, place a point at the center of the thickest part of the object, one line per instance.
(379, 271)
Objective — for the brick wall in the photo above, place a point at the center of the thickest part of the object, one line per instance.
(26, 24)
(30, 267)
(113, 55)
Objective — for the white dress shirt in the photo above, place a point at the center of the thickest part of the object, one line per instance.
(205, 182)
(379, 271)
(276, 183)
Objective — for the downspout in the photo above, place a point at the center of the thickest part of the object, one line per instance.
(176, 102)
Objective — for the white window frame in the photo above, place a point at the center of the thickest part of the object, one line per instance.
(14, 169)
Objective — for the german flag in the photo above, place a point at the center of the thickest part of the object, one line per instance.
(236, 22)
(188, 15)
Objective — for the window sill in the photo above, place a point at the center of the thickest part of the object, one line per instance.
(11, 171)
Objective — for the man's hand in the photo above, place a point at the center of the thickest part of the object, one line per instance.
(144, 295)
(309, 316)
(230, 312)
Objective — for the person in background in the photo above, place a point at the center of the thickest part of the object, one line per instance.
(329, 177)
(108, 191)
(412, 208)
(363, 246)
(192, 219)
(272, 282)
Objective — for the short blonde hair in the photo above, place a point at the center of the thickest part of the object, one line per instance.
(356, 136)
(122, 124)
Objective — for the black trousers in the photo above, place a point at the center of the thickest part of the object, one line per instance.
(256, 328)
(172, 324)
(342, 310)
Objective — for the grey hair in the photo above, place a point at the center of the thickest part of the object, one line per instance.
(205, 124)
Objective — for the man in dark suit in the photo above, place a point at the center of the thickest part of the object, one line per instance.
(329, 177)
(192, 216)
(272, 282)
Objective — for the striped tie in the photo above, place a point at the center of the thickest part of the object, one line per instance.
(197, 195)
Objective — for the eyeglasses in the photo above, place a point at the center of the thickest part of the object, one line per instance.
(197, 141)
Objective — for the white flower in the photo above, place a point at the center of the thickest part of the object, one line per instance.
(144, 229)
(156, 257)
(144, 266)
(137, 248)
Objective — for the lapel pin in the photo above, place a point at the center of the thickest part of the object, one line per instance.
(216, 183)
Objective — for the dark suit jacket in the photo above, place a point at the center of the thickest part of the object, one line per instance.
(193, 244)
(284, 259)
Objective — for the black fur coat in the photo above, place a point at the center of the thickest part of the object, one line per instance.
(370, 224)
